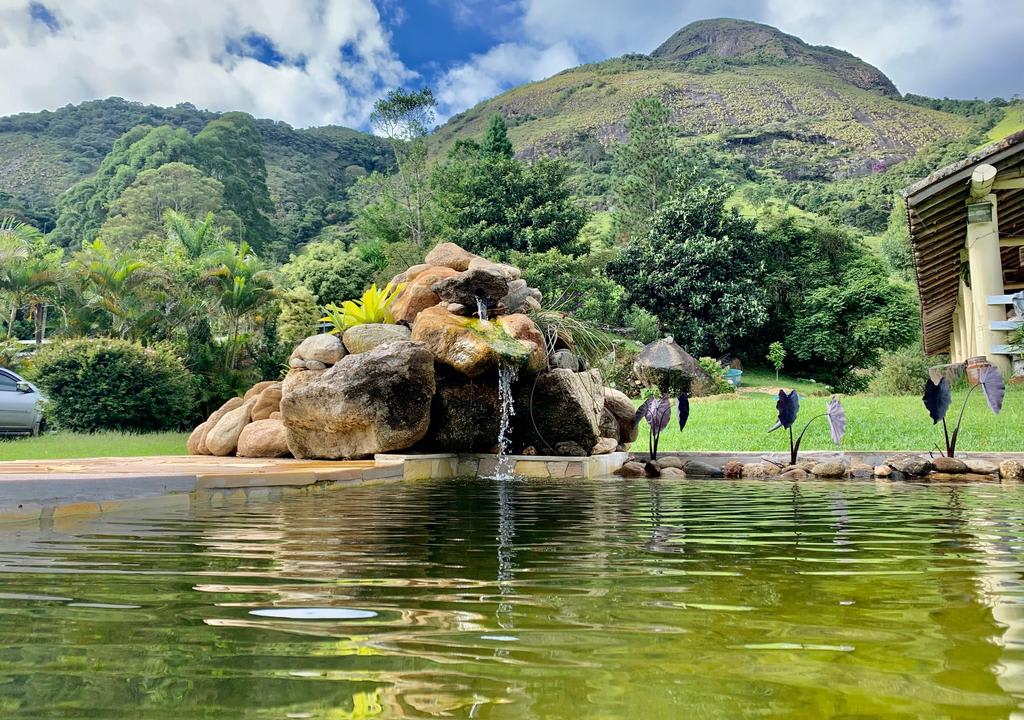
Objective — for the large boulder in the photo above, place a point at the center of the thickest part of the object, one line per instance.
(197, 444)
(323, 348)
(373, 402)
(466, 414)
(663, 364)
(195, 439)
(474, 346)
(363, 338)
(451, 256)
(269, 402)
(418, 294)
(263, 439)
(257, 389)
(222, 439)
(511, 272)
(621, 407)
(487, 285)
(559, 409)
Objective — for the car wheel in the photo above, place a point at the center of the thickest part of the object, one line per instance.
(40, 428)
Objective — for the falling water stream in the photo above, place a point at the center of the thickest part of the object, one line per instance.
(481, 308)
(506, 378)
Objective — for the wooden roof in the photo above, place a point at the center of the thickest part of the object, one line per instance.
(937, 215)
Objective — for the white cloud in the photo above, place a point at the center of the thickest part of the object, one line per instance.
(501, 67)
(171, 51)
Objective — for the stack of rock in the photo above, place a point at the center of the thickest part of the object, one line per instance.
(899, 467)
(248, 426)
(430, 382)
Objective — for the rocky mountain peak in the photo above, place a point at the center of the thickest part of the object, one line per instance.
(751, 43)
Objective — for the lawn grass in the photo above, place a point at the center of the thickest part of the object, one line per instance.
(739, 422)
(60, 445)
(761, 378)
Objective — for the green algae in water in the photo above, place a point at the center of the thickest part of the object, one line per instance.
(474, 599)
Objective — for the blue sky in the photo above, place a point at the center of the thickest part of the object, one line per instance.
(315, 62)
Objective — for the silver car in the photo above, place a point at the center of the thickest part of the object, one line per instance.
(21, 404)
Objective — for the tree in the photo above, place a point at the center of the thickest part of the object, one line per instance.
(194, 237)
(895, 243)
(240, 284)
(137, 218)
(300, 314)
(405, 118)
(496, 142)
(84, 207)
(846, 323)
(832, 302)
(117, 291)
(230, 150)
(29, 273)
(646, 165)
(329, 271)
(701, 268)
(491, 204)
(578, 285)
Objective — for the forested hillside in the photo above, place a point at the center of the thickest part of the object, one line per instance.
(307, 172)
(758, 106)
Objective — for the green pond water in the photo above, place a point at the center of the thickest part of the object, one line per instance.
(479, 599)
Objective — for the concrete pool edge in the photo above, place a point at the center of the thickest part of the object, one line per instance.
(44, 492)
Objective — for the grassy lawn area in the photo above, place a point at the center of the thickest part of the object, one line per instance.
(59, 445)
(740, 422)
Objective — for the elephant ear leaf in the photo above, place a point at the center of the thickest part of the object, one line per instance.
(994, 388)
(658, 414)
(683, 410)
(937, 398)
(788, 406)
(836, 419)
(641, 412)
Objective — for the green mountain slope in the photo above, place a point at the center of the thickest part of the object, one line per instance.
(42, 154)
(806, 112)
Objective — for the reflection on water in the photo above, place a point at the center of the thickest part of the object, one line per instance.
(491, 599)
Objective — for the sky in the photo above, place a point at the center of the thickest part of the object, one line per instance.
(318, 62)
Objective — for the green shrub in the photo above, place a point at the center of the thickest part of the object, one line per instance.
(645, 325)
(902, 373)
(103, 384)
(714, 369)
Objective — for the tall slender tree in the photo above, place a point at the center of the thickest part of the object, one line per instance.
(646, 165)
(496, 142)
(406, 117)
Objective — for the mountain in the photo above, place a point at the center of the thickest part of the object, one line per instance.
(44, 153)
(796, 110)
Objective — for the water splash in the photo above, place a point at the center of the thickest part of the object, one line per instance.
(481, 308)
(507, 375)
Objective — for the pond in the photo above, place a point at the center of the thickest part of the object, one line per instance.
(483, 599)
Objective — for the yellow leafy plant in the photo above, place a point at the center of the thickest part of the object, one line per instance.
(372, 307)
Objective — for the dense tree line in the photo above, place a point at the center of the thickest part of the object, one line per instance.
(175, 241)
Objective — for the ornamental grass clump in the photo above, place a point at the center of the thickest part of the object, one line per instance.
(788, 406)
(937, 399)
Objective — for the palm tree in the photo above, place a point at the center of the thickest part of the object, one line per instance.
(240, 284)
(27, 279)
(194, 236)
(119, 285)
(31, 282)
